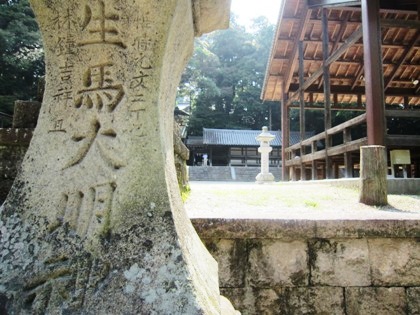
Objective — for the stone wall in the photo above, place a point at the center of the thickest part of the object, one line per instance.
(316, 267)
(15, 141)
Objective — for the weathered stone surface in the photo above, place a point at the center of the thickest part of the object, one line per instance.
(209, 15)
(402, 264)
(346, 257)
(339, 262)
(375, 301)
(413, 300)
(229, 254)
(320, 300)
(277, 263)
(94, 223)
(267, 301)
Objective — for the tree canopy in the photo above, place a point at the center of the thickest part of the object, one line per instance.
(224, 78)
(21, 53)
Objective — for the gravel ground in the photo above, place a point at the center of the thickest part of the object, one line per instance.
(292, 201)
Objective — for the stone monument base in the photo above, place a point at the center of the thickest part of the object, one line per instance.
(264, 178)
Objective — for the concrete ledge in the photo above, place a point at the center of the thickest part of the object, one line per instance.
(404, 186)
(295, 229)
(401, 186)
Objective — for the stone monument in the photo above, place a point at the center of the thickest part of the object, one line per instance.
(94, 223)
(264, 138)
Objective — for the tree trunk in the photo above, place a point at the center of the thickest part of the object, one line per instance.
(373, 183)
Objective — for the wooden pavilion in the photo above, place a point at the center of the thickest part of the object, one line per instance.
(347, 55)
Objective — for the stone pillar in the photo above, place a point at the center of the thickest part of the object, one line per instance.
(94, 223)
(264, 138)
(26, 114)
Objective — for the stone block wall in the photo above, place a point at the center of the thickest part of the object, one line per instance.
(309, 267)
(15, 141)
(13, 145)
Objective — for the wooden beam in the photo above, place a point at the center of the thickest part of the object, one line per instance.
(347, 124)
(332, 3)
(403, 140)
(332, 58)
(343, 26)
(306, 14)
(414, 24)
(407, 50)
(317, 41)
(403, 113)
(359, 90)
(345, 148)
(333, 108)
(357, 76)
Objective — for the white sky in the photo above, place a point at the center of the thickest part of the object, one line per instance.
(250, 9)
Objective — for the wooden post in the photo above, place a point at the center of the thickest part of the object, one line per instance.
(313, 150)
(327, 91)
(302, 109)
(284, 134)
(374, 83)
(348, 165)
(373, 183)
(373, 165)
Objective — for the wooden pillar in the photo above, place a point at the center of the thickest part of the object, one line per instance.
(406, 102)
(374, 83)
(373, 183)
(246, 157)
(336, 168)
(373, 165)
(348, 165)
(302, 108)
(314, 170)
(285, 133)
(327, 90)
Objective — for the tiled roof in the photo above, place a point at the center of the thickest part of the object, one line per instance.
(230, 137)
(194, 140)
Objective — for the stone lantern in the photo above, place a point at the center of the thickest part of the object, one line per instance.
(264, 139)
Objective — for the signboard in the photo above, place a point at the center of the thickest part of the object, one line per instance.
(400, 157)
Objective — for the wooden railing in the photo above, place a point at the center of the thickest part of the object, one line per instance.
(297, 154)
(403, 140)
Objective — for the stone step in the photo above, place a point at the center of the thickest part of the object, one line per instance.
(227, 173)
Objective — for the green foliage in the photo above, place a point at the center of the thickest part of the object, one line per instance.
(21, 53)
(224, 79)
(185, 192)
